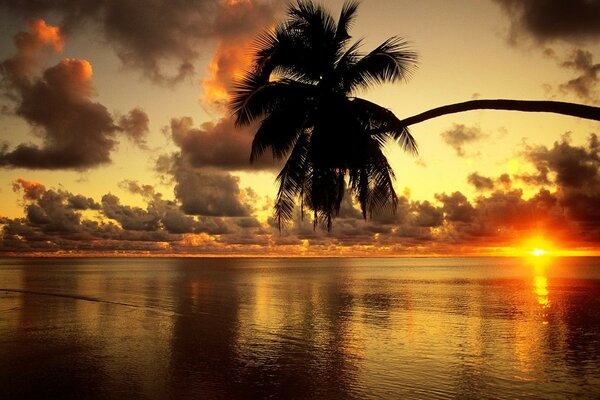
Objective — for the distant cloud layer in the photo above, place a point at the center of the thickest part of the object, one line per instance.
(76, 132)
(548, 20)
(159, 38)
(211, 213)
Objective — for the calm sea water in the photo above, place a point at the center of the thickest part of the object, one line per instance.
(475, 328)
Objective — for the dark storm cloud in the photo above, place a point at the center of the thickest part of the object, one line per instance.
(585, 86)
(461, 135)
(570, 211)
(76, 133)
(162, 38)
(480, 182)
(547, 20)
(218, 145)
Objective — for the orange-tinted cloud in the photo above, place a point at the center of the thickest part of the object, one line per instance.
(47, 34)
(76, 132)
(18, 68)
(240, 20)
(160, 39)
(229, 62)
(32, 190)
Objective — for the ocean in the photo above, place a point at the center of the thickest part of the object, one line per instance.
(332, 328)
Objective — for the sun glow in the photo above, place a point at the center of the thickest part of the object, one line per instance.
(538, 252)
(537, 246)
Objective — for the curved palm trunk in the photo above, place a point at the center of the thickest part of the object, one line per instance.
(557, 107)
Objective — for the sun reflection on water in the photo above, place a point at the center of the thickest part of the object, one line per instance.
(540, 286)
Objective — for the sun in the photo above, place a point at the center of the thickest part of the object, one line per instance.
(538, 252)
(537, 246)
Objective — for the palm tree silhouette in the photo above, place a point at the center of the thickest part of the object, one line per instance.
(301, 87)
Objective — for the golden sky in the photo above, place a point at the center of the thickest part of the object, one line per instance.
(116, 137)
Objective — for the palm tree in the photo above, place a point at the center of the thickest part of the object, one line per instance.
(302, 89)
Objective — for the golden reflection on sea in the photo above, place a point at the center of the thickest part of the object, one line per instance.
(343, 328)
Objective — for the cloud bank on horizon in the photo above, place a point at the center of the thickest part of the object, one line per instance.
(213, 214)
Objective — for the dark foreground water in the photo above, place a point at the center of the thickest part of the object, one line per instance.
(483, 328)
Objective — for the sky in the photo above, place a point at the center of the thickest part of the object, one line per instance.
(115, 136)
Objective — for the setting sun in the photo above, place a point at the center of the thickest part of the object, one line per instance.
(538, 246)
(538, 252)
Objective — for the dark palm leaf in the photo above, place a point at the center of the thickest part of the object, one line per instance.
(345, 21)
(292, 180)
(253, 99)
(384, 124)
(391, 61)
(279, 131)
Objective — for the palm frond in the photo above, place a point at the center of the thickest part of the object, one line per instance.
(391, 61)
(323, 193)
(384, 124)
(252, 97)
(279, 131)
(291, 181)
(347, 16)
(372, 183)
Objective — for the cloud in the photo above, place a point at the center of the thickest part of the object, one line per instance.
(158, 38)
(76, 132)
(480, 182)
(204, 191)
(565, 209)
(239, 22)
(55, 221)
(544, 20)
(576, 167)
(457, 207)
(16, 69)
(31, 190)
(426, 215)
(130, 218)
(80, 202)
(585, 86)
(135, 126)
(576, 172)
(217, 144)
(461, 135)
